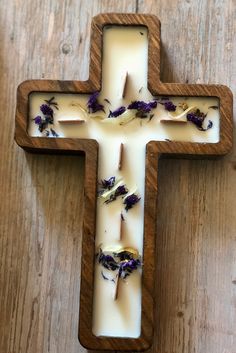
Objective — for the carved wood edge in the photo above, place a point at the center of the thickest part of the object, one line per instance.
(153, 151)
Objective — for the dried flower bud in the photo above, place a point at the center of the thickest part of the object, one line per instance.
(93, 104)
(197, 118)
(117, 112)
(170, 106)
(46, 110)
(130, 201)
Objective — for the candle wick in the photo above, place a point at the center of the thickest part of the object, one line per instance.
(121, 226)
(115, 296)
(121, 152)
(124, 85)
(71, 121)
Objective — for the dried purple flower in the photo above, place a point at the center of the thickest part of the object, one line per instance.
(130, 201)
(117, 112)
(46, 110)
(197, 118)
(124, 261)
(108, 183)
(127, 267)
(128, 263)
(125, 255)
(111, 198)
(93, 104)
(47, 118)
(170, 106)
(121, 190)
(107, 261)
(37, 120)
(142, 106)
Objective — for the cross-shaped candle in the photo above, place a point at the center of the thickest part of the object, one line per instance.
(123, 117)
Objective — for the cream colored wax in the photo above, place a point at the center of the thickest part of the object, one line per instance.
(124, 49)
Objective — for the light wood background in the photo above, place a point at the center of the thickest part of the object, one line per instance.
(41, 197)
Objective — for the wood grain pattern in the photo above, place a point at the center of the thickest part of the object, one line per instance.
(39, 287)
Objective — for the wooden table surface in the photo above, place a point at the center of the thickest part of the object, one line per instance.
(41, 197)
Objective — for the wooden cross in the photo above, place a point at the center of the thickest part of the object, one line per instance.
(154, 150)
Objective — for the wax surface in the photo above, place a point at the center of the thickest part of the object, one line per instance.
(124, 49)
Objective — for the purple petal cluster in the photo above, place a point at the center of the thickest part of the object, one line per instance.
(42, 124)
(169, 106)
(107, 261)
(38, 119)
(93, 104)
(197, 118)
(121, 190)
(46, 110)
(131, 263)
(107, 184)
(130, 201)
(127, 267)
(47, 118)
(142, 106)
(124, 262)
(117, 112)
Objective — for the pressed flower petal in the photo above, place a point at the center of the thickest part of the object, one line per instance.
(124, 261)
(117, 112)
(108, 183)
(197, 118)
(170, 106)
(142, 106)
(119, 191)
(93, 104)
(193, 115)
(107, 194)
(131, 200)
(38, 120)
(46, 110)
